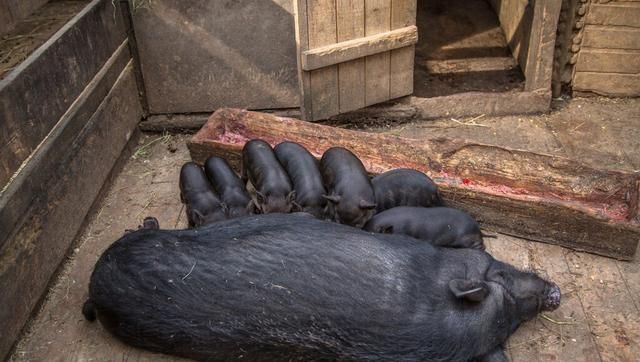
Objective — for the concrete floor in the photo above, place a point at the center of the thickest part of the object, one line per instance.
(598, 320)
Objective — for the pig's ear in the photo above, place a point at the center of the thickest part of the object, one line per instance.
(367, 205)
(261, 198)
(291, 197)
(197, 217)
(333, 198)
(471, 290)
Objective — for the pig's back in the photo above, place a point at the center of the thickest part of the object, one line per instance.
(269, 280)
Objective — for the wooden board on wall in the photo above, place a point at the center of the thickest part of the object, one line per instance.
(354, 53)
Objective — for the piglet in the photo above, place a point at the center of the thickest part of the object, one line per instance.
(350, 195)
(305, 176)
(442, 226)
(202, 204)
(229, 186)
(274, 192)
(404, 187)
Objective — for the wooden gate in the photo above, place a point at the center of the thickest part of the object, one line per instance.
(354, 53)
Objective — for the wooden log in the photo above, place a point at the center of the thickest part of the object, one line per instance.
(536, 196)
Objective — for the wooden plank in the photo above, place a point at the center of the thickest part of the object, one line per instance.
(608, 61)
(403, 13)
(31, 180)
(321, 16)
(53, 66)
(607, 37)
(608, 84)
(532, 195)
(540, 48)
(620, 14)
(541, 340)
(39, 243)
(302, 44)
(613, 317)
(345, 51)
(351, 74)
(377, 76)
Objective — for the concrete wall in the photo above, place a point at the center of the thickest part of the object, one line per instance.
(200, 55)
(69, 109)
(12, 11)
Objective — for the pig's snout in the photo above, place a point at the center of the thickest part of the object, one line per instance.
(551, 297)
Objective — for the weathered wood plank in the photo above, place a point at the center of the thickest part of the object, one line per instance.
(607, 37)
(324, 82)
(377, 76)
(31, 180)
(613, 318)
(608, 61)
(345, 51)
(350, 74)
(531, 195)
(540, 339)
(302, 44)
(609, 84)
(540, 43)
(39, 242)
(403, 13)
(621, 14)
(54, 66)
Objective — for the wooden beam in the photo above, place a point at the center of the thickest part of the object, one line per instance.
(531, 195)
(357, 48)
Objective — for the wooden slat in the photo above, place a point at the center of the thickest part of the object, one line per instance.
(611, 84)
(403, 13)
(609, 61)
(345, 51)
(606, 37)
(351, 74)
(627, 14)
(321, 17)
(302, 44)
(378, 20)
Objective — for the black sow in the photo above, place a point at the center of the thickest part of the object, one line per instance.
(284, 287)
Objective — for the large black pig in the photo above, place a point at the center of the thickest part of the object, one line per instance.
(283, 287)
(274, 191)
(404, 187)
(351, 198)
(228, 185)
(442, 226)
(303, 171)
(202, 204)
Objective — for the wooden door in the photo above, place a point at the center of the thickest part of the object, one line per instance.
(354, 53)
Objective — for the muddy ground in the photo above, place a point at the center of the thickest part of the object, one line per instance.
(598, 320)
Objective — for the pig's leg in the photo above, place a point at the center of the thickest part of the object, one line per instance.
(497, 355)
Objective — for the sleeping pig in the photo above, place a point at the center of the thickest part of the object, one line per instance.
(442, 226)
(304, 174)
(202, 204)
(404, 187)
(282, 287)
(351, 198)
(274, 192)
(229, 186)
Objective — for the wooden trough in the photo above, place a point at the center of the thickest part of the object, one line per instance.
(530, 195)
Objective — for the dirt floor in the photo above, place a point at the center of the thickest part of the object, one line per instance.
(34, 31)
(598, 320)
(462, 48)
